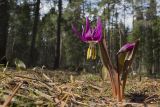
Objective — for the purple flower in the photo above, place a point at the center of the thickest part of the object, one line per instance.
(127, 47)
(90, 35)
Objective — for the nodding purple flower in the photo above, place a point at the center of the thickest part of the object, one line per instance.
(127, 47)
(90, 35)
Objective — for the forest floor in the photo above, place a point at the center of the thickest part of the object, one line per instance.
(62, 88)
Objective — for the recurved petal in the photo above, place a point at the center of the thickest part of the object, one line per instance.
(87, 24)
(97, 35)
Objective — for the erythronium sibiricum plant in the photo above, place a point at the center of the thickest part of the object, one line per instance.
(118, 74)
(91, 36)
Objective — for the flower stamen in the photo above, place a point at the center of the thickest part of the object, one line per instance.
(91, 52)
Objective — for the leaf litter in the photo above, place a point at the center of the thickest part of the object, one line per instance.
(61, 88)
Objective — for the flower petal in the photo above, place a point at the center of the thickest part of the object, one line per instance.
(83, 34)
(97, 34)
(127, 47)
(87, 24)
(88, 36)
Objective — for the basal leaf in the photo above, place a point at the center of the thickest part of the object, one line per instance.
(19, 64)
(104, 73)
(121, 61)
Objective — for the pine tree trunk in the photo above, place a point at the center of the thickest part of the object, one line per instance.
(57, 53)
(4, 17)
(34, 33)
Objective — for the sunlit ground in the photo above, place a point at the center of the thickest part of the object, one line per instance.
(64, 88)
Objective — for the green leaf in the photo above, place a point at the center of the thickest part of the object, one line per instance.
(121, 61)
(104, 73)
(19, 64)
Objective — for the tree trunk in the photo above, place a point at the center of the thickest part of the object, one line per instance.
(34, 33)
(57, 54)
(4, 17)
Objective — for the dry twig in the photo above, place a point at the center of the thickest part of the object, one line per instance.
(12, 95)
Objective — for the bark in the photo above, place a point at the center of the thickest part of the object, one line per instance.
(4, 17)
(34, 32)
(57, 53)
